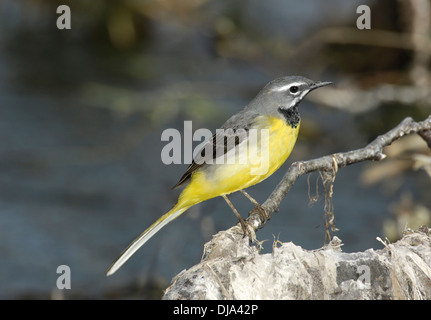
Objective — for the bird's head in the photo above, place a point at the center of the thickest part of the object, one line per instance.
(287, 92)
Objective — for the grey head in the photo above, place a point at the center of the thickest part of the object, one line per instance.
(283, 95)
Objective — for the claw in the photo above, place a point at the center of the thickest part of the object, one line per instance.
(248, 230)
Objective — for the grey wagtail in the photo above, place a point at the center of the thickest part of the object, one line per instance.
(249, 147)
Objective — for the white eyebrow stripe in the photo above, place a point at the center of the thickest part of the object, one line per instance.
(287, 86)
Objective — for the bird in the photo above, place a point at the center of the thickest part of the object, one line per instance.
(249, 147)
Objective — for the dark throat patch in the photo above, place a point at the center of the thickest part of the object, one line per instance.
(291, 115)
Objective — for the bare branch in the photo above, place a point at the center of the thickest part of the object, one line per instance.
(373, 151)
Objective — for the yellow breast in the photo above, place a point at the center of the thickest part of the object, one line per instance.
(269, 144)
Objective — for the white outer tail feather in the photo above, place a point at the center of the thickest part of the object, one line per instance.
(142, 238)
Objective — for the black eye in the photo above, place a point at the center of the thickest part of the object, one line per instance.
(293, 89)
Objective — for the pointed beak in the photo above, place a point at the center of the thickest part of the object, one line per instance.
(319, 84)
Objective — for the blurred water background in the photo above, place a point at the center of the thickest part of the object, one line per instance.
(82, 112)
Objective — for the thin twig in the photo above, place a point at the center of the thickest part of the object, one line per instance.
(420, 25)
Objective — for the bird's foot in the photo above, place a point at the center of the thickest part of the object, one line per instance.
(247, 229)
(261, 211)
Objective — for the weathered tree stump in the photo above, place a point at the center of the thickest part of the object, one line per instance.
(232, 269)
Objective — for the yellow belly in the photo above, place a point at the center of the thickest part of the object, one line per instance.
(254, 163)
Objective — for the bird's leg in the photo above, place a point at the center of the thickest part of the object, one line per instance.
(257, 206)
(242, 222)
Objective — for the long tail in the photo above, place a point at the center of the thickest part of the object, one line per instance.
(144, 237)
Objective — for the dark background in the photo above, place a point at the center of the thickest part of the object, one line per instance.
(82, 112)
